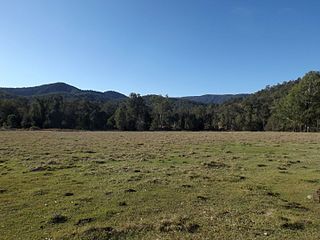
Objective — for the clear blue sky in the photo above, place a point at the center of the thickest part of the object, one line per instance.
(175, 47)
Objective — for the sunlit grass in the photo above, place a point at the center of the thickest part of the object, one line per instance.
(161, 185)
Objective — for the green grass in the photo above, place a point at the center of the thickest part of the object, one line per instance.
(186, 185)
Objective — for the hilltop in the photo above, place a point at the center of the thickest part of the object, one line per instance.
(69, 91)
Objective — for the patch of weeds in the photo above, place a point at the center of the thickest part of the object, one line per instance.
(285, 219)
(296, 206)
(2, 190)
(99, 162)
(258, 188)
(293, 226)
(84, 221)
(294, 162)
(57, 219)
(52, 162)
(110, 214)
(110, 233)
(40, 192)
(316, 196)
(135, 178)
(311, 180)
(282, 168)
(122, 204)
(224, 214)
(215, 165)
(100, 233)
(284, 172)
(235, 179)
(193, 227)
(88, 151)
(262, 165)
(130, 190)
(159, 181)
(86, 199)
(40, 169)
(194, 176)
(202, 198)
(273, 194)
(178, 225)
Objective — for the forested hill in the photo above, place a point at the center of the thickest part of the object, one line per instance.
(290, 106)
(70, 92)
(214, 98)
(63, 89)
(42, 90)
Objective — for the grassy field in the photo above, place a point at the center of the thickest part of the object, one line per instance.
(176, 185)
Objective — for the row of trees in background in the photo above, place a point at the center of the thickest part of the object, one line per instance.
(291, 106)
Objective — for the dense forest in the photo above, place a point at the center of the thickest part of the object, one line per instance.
(290, 106)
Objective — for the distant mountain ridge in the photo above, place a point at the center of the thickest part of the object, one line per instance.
(64, 89)
(42, 90)
(214, 98)
(69, 91)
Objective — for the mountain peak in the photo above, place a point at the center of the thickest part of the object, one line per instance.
(70, 91)
(52, 88)
(62, 89)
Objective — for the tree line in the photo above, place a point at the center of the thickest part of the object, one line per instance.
(290, 106)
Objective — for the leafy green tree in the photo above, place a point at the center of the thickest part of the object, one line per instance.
(161, 114)
(54, 116)
(290, 106)
(38, 112)
(98, 120)
(83, 112)
(120, 117)
(300, 109)
(137, 115)
(9, 107)
(12, 121)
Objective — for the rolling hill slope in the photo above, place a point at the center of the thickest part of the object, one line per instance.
(69, 91)
(64, 89)
(214, 98)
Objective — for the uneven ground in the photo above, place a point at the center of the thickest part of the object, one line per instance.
(117, 185)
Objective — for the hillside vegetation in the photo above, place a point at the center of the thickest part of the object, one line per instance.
(290, 106)
(62, 89)
(213, 98)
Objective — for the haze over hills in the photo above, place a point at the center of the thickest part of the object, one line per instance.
(67, 90)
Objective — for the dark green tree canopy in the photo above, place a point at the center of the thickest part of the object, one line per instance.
(290, 106)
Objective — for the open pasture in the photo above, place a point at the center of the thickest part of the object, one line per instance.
(159, 185)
